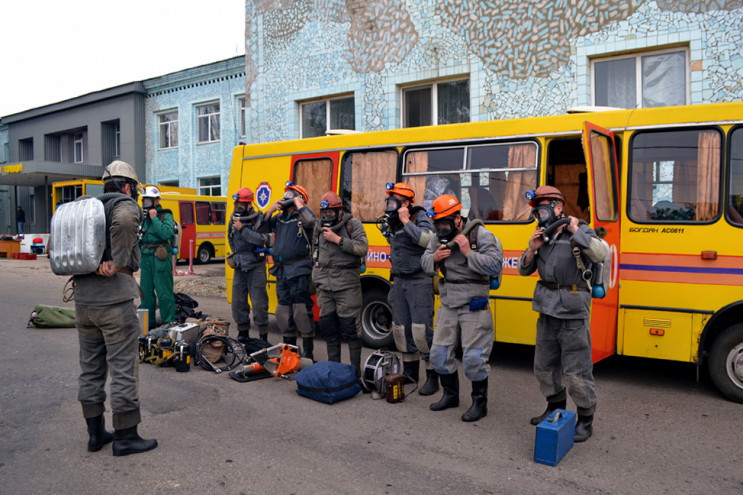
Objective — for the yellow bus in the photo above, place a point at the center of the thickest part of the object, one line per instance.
(663, 186)
(69, 190)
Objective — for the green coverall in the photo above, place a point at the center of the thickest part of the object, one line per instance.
(157, 275)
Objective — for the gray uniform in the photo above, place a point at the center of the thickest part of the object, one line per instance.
(465, 283)
(562, 298)
(250, 274)
(108, 328)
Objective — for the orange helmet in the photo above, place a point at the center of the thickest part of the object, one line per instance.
(299, 190)
(544, 192)
(330, 200)
(445, 205)
(243, 195)
(402, 189)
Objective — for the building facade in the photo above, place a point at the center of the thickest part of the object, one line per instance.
(381, 64)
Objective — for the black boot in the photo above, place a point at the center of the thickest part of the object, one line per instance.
(263, 333)
(479, 407)
(432, 383)
(411, 370)
(551, 406)
(243, 334)
(451, 393)
(98, 434)
(354, 351)
(128, 441)
(334, 351)
(290, 340)
(308, 347)
(584, 428)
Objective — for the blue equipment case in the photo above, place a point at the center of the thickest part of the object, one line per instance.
(555, 437)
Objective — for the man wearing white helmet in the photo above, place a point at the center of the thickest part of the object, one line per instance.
(107, 324)
(157, 258)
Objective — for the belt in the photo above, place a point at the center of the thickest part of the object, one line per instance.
(407, 275)
(476, 282)
(339, 267)
(152, 246)
(284, 263)
(571, 288)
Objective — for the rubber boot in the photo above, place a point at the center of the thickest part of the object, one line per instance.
(243, 334)
(308, 347)
(551, 406)
(479, 407)
(584, 428)
(98, 434)
(128, 441)
(354, 349)
(290, 340)
(334, 351)
(263, 333)
(451, 392)
(432, 383)
(411, 370)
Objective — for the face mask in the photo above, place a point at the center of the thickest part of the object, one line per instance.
(241, 210)
(446, 229)
(148, 203)
(329, 217)
(392, 204)
(288, 200)
(544, 215)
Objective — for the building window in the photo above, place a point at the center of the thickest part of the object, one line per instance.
(26, 149)
(317, 117)
(210, 186)
(117, 140)
(655, 79)
(77, 147)
(208, 117)
(173, 183)
(436, 104)
(168, 130)
(241, 106)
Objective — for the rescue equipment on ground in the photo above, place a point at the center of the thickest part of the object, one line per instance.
(44, 316)
(328, 382)
(555, 437)
(215, 345)
(280, 360)
(395, 388)
(182, 356)
(379, 365)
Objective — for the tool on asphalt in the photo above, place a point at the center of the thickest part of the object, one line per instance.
(379, 365)
(280, 360)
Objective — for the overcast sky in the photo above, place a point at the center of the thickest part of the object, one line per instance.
(52, 50)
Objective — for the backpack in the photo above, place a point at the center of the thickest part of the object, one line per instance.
(328, 382)
(44, 316)
(175, 240)
(79, 237)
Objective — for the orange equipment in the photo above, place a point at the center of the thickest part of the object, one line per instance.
(280, 361)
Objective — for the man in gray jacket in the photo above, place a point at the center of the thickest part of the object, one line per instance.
(248, 248)
(107, 324)
(563, 299)
(339, 246)
(465, 305)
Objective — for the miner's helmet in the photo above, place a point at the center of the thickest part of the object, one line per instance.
(444, 206)
(151, 192)
(120, 170)
(330, 200)
(542, 193)
(402, 189)
(243, 195)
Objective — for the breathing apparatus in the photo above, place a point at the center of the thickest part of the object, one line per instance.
(444, 221)
(331, 209)
(544, 214)
(390, 218)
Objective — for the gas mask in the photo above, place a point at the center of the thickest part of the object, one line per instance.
(330, 216)
(446, 229)
(148, 203)
(544, 214)
(242, 209)
(392, 204)
(288, 200)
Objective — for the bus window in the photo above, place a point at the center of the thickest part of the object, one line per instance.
(316, 177)
(675, 176)
(490, 180)
(363, 178)
(94, 189)
(218, 213)
(186, 213)
(735, 197)
(203, 213)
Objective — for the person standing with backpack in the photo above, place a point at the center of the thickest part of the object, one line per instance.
(464, 316)
(156, 278)
(107, 324)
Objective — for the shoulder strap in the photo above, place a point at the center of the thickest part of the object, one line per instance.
(110, 202)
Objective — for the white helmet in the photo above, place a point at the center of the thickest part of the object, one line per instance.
(119, 169)
(151, 192)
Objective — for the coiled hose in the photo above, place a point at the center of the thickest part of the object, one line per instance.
(233, 355)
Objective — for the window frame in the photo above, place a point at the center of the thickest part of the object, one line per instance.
(434, 86)
(328, 111)
(242, 131)
(729, 169)
(208, 189)
(170, 125)
(208, 117)
(638, 56)
(78, 143)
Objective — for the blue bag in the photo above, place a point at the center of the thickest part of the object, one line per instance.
(328, 382)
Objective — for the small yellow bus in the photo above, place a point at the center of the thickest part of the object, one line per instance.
(663, 186)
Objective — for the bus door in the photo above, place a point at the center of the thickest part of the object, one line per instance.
(601, 161)
(188, 230)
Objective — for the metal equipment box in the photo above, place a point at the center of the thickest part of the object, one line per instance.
(143, 315)
(555, 437)
(186, 332)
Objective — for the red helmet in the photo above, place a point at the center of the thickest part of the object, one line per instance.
(299, 190)
(445, 205)
(546, 192)
(244, 195)
(402, 189)
(330, 200)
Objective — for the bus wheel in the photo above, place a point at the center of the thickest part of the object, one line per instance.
(376, 320)
(204, 255)
(726, 363)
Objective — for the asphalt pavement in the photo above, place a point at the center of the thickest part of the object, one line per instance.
(657, 429)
